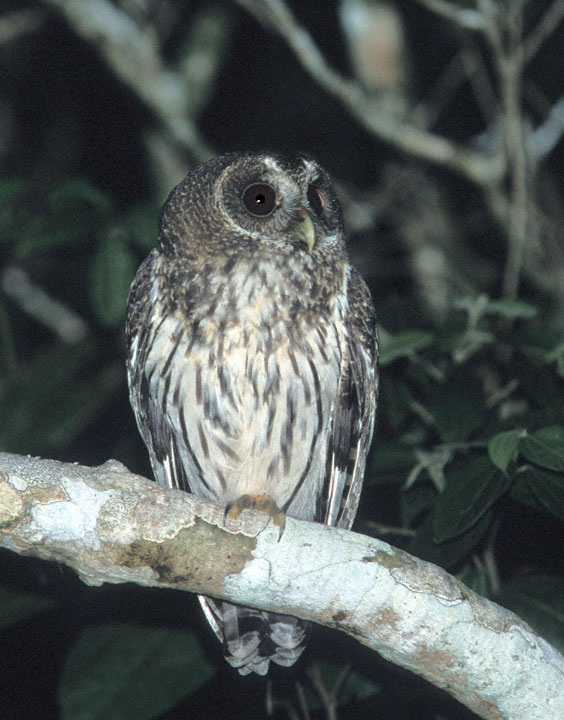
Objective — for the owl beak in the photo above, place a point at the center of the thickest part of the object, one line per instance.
(305, 231)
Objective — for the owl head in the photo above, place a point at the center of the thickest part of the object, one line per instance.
(256, 201)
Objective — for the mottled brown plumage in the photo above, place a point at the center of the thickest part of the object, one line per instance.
(252, 360)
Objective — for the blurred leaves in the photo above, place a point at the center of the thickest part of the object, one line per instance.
(12, 189)
(538, 599)
(403, 344)
(457, 405)
(90, 279)
(470, 492)
(17, 606)
(547, 488)
(67, 213)
(330, 682)
(128, 672)
(449, 553)
(477, 308)
(468, 460)
(34, 390)
(545, 447)
(473, 411)
(481, 415)
(110, 275)
(502, 448)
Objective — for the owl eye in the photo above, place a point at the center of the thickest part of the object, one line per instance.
(259, 199)
(316, 199)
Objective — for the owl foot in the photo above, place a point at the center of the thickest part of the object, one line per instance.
(262, 503)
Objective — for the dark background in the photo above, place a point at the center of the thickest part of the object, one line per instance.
(87, 159)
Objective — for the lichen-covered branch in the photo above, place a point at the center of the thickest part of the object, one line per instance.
(113, 526)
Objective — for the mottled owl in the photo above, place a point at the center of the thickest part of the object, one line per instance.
(252, 361)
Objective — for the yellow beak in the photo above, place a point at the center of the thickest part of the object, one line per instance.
(305, 232)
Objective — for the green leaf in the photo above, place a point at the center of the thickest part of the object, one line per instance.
(110, 276)
(388, 458)
(545, 447)
(75, 193)
(142, 221)
(83, 405)
(72, 210)
(415, 501)
(502, 448)
(357, 687)
(208, 37)
(538, 599)
(476, 578)
(470, 343)
(521, 493)
(12, 192)
(16, 606)
(403, 344)
(395, 402)
(458, 406)
(556, 355)
(433, 462)
(548, 489)
(451, 552)
(31, 396)
(470, 492)
(130, 672)
(477, 307)
(11, 189)
(40, 234)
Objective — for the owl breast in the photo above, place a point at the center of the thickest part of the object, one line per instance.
(250, 383)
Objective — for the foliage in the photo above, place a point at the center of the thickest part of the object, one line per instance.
(486, 431)
(467, 466)
(126, 671)
(73, 241)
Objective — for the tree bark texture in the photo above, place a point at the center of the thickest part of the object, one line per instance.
(113, 526)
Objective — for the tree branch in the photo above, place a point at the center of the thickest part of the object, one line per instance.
(545, 27)
(113, 526)
(134, 55)
(19, 22)
(465, 17)
(480, 168)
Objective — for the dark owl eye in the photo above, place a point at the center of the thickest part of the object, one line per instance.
(259, 199)
(316, 199)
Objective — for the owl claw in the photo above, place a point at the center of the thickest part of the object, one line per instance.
(262, 503)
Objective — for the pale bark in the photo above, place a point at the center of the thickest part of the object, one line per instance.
(113, 526)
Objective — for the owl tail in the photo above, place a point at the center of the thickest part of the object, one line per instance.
(252, 638)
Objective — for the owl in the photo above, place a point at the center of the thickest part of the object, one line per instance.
(252, 362)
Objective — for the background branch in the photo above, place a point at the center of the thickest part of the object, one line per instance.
(408, 137)
(545, 27)
(134, 54)
(465, 17)
(113, 526)
(104, 105)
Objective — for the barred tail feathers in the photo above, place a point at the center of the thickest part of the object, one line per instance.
(252, 638)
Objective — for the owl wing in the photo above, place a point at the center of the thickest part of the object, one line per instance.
(154, 427)
(352, 422)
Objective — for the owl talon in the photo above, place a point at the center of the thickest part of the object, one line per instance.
(262, 503)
